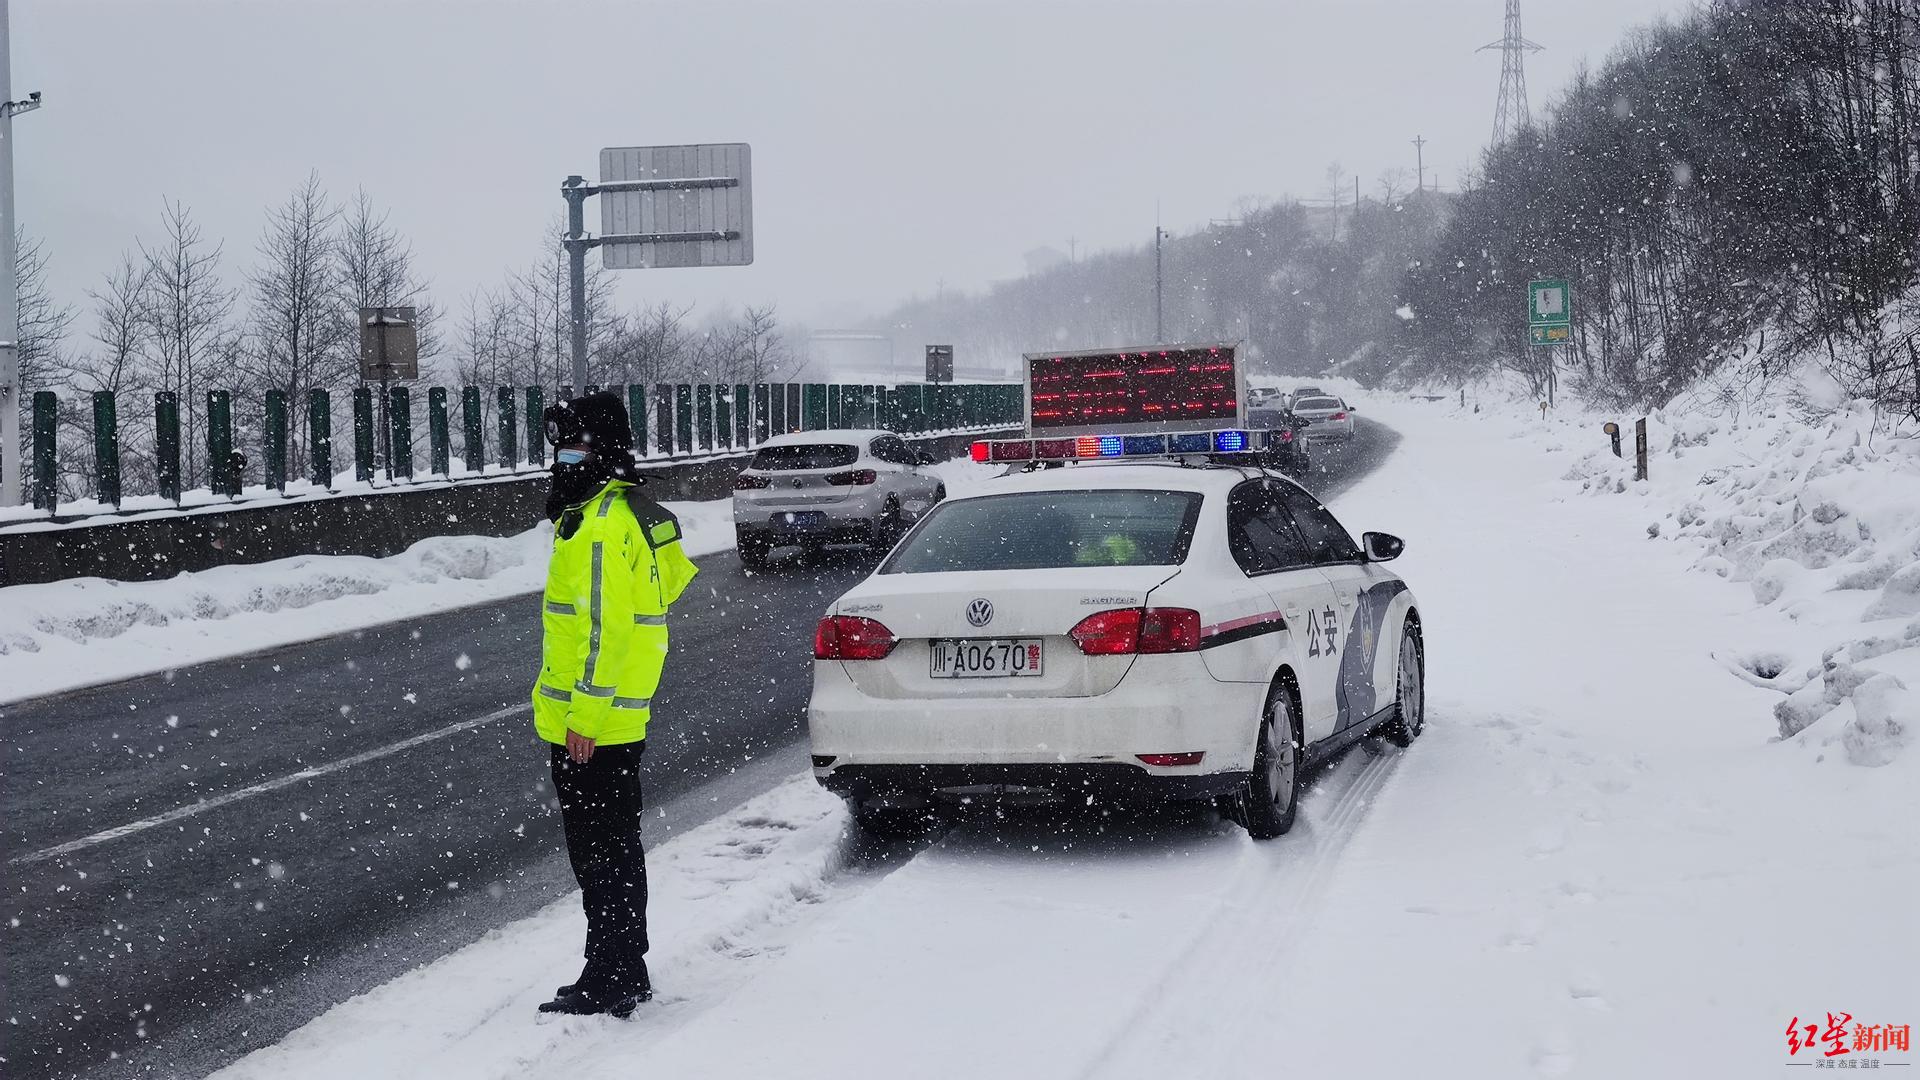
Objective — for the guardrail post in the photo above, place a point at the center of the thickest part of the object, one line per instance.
(276, 440)
(909, 403)
(106, 448)
(703, 410)
(223, 477)
(400, 431)
(663, 418)
(683, 417)
(1640, 449)
(509, 430)
(363, 434)
(166, 443)
(813, 407)
(566, 394)
(320, 437)
(536, 426)
(46, 422)
(637, 416)
(439, 440)
(473, 438)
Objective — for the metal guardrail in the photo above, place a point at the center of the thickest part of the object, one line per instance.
(669, 420)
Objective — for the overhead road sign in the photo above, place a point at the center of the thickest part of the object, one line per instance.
(668, 206)
(660, 206)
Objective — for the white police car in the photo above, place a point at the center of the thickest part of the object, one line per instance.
(1157, 628)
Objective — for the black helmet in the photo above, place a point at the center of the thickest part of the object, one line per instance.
(599, 421)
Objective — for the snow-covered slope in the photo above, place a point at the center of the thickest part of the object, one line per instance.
(1822, 524)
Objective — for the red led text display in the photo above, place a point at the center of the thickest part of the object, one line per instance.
(1117, 389)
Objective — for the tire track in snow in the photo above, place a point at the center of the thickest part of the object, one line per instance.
(1272, 896)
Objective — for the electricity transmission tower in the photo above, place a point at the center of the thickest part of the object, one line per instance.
(1510, 113)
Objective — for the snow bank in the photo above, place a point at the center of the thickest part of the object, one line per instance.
(1821, 522)
(85, 631)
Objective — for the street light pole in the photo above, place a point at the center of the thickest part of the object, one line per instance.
(1159, 310)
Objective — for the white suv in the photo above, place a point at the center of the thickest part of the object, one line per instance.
(815, 488)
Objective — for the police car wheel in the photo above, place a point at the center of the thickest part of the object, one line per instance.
(1410, 690)
(1273, 792)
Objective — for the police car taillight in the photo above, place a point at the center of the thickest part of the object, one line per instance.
(1338, 416)
(853, 478)
(1124, 631)
(850, 637)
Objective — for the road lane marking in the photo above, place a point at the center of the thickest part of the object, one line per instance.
(262, 788)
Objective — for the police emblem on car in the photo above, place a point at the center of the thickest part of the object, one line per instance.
(980, 612)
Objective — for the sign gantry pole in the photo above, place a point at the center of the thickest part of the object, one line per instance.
(575, 191)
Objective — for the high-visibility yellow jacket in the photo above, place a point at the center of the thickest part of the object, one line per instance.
(616, 568)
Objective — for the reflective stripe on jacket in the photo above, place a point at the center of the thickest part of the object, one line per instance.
(610, 581)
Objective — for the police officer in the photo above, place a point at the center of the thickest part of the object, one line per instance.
(616, 568)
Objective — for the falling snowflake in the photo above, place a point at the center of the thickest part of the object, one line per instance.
(462, 662)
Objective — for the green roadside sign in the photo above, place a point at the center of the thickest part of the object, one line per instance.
(1549, 312)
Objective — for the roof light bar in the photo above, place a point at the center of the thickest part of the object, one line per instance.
(1093, 447)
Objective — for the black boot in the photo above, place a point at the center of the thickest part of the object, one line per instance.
(619, 1003)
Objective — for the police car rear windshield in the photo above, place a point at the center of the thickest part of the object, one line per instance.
(1317, 403)
(1048, 530)
(815, 456)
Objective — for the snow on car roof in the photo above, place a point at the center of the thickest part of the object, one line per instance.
(828, 437)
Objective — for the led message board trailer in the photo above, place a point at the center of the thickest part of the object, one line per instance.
(1128, 391)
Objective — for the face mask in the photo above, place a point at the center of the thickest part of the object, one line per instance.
(570, 457)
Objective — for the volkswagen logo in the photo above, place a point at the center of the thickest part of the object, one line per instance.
(980, 612)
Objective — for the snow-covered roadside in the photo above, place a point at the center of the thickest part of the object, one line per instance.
(85, 631)
(1601, 860)
(722, 899)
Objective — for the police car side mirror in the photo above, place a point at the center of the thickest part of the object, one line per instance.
(1382, 547)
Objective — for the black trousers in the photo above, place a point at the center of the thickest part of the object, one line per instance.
(600, 807)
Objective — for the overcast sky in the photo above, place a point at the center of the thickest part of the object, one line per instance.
(897, 145)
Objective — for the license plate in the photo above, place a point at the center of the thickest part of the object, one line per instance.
(801, 518)
(985, 658)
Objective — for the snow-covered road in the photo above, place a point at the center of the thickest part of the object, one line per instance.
(1599, 861)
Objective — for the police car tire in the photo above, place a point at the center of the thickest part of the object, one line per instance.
(1410, 686)
(1265, 818)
